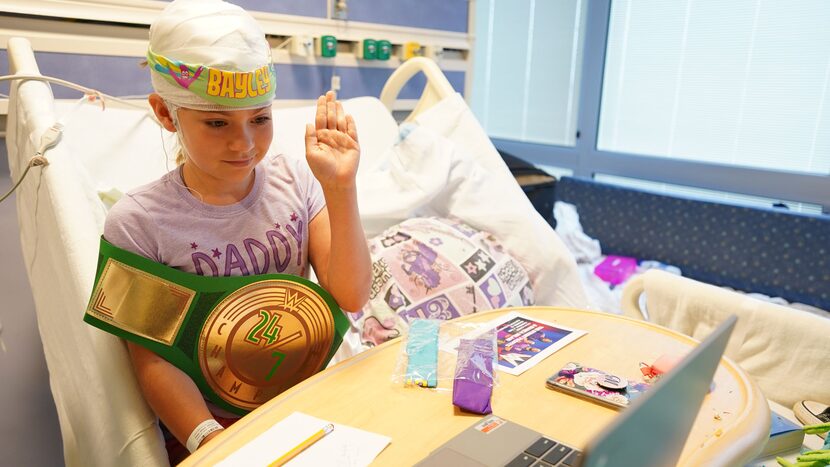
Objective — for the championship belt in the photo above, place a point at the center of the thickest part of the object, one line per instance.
(243, 340)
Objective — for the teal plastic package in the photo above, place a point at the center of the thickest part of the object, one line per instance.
(422, 353)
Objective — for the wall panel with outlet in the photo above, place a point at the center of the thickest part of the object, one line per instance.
(77, 41)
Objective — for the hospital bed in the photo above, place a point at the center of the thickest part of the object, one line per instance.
(105, 152)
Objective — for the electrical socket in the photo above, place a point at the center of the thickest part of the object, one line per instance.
(302, 46)
(434, 52)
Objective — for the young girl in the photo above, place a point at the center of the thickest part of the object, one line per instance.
(232, 208)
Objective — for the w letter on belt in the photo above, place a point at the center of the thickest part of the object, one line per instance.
(243, 340)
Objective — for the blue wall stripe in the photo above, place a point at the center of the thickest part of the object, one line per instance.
(116, 76)
(447, 15)
(4, 162)
(4, 70)
(315, 8)
(122, 76)
(308, 81)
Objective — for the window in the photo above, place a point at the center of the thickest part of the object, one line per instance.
(528, 61)
(742, 83)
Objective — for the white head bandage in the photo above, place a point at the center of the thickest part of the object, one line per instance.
(210, 55)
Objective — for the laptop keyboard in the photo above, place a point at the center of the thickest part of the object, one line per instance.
(544, 453)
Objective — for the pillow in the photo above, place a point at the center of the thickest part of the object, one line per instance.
(439, 269)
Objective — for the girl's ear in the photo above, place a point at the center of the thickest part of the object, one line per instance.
(162, 112)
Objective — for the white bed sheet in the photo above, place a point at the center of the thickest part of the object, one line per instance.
(104, 420)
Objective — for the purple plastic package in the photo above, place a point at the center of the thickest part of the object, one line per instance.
(616, 269)
(473, 384)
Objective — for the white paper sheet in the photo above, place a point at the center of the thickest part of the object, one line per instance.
(345, 446)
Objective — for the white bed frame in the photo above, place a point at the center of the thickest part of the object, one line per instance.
(437, 88)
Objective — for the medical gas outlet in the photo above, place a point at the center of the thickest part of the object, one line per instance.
(367, 49)
(384, 49)
(371, 49)
(410, 50)
(326, 46)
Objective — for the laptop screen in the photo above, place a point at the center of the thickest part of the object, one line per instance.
(653, 430)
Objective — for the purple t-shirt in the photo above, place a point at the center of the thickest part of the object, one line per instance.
(265, 233)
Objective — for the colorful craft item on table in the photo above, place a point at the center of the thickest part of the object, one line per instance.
(597, 385)
(243, 89)
(663, 364)
(616, 269)
(649, 373)
(243, 339)
(472, 387)
(422, 353)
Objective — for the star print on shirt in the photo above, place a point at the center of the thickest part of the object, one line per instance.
(193, 245)
(216, 253)
(294, 217)
(276, 226)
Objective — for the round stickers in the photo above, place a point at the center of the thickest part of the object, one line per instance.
(610, 381)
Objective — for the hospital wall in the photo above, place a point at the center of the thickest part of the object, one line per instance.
(85, 46)
(97, 52)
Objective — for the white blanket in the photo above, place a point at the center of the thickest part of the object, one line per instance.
(785, 350)
(427, 174)
(487, 197)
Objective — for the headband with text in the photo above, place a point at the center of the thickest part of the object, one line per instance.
(243, 89)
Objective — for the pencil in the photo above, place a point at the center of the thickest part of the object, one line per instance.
(302, 446)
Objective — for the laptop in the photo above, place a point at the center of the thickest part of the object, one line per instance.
(651, 432)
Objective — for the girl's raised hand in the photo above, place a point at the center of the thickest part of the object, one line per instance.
(331, 147)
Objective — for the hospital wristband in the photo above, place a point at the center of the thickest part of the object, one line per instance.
(200, 433)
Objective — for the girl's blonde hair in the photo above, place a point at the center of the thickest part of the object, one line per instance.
(180, 157)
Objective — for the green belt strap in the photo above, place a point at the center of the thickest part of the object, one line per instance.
(243, 340)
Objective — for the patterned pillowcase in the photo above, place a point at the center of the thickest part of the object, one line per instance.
(439, 269)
